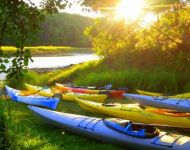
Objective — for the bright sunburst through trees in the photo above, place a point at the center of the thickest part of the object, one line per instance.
(141, 42)
(129, 10)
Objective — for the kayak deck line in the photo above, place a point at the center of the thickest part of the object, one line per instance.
(87, 125)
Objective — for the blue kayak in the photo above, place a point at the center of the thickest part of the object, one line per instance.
(115, 130)
(32, 99)
(179, 104)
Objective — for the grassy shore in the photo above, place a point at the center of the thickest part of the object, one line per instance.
(49, 50)
(26, 131)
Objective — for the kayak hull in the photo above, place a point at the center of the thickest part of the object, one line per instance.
(184, 95)
(95, 128)
(110, 93)
(178, 104)
(32, 99)
(135, 113)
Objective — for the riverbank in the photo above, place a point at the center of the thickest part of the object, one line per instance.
(44, 51)
(46, 70)
(25, 131)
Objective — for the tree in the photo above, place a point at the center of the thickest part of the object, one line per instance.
(165, 43)
(97, 4)
(19, 19)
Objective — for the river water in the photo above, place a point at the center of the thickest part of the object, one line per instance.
(56, 62)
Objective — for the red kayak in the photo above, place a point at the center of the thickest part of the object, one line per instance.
(110, 93)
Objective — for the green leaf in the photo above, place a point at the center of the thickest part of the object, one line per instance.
(2, 67)
(26, 61)
(14, 62)
(6, 61)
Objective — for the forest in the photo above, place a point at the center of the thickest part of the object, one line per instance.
(61, 29)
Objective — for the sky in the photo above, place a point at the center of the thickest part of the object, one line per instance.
(76, 8)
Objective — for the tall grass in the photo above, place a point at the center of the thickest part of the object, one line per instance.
(4, 140)
(167, 82)
(98, 74)
(67, 75)
(28, 77)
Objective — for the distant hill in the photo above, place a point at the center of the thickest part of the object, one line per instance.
(64, 29)
(60, 29)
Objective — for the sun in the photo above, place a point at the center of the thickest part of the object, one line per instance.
(129, 9)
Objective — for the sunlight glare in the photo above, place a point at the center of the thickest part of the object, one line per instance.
(129, 9)
(148, 19)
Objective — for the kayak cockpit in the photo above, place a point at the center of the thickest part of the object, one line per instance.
(132, 129)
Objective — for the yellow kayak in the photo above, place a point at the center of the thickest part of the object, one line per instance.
(39, 90)
(148, 93)
(90, 97)
(184, 95)
(135, 113)
(66, 96)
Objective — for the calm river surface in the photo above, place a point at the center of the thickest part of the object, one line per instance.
(60, 61)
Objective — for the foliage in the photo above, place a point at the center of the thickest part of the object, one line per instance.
(114, 40)
(18, 21)
(97, 4)
(163, 43)
(153, 4)
(111, 38)
(170, 36)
